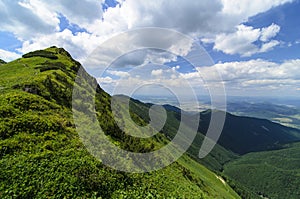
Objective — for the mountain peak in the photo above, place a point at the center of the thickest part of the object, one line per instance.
(50, 53)
(49, 73)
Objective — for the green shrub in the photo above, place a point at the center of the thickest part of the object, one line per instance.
(41, 53)
(2, 62)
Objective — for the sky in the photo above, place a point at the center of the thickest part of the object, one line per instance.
(253, 45)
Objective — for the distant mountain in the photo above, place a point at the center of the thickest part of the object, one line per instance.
(41, 155)
(172, 108)
(283, 114)
(245, 134)
(240, 134)
(214, 160)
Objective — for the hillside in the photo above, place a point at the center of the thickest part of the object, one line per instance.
(41, 155)
(214, 160)
(242, 135)
(252, 175)
(273, 174)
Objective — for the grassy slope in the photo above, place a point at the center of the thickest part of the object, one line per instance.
(42, 156)
(274, 174)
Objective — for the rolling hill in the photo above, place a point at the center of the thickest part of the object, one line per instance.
(272, 174)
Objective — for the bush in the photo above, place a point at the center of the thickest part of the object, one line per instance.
(2, 62)
(41, 53)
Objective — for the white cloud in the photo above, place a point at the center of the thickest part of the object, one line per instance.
(269, 32)
(269, 46)
(256, 69)
(242, 40)
(255, 73)
(199, 17)
(105, 80)
(36, 22)
(30, 18)
(239, 42)
(119, 73)
(78, 45)
(139, 47)
(158, 72)
(81, 12)
(25, 21)
(185, 16)
(240, 78)
(273, 83)
(247, 8)
(249, 77)
(8, 56)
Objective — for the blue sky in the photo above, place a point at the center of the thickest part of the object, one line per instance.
(254, 45)
(287, 17)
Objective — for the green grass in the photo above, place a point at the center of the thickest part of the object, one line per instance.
(213, 182)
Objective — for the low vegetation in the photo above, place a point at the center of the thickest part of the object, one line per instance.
(272, 174)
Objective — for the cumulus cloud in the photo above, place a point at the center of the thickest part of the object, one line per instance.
(30, 18)
(8, 56)
(36, 22)
(79, 45)
(239, 42)
(119, 73)
(243, 39)
(253, 74)
(105, 80)
(269, 46)
(240, 78)
(247, 8)
(190, 17)
(139, 47)
(25, 20)
(269, 32)
(158, 72)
